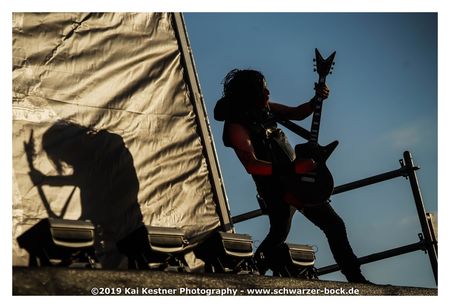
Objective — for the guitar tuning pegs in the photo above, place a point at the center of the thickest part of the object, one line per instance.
(314, 60)
(315, 70)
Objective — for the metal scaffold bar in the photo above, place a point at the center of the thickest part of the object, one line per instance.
(430, 243)
(428, 238)
(403, 171)
(377, 256)
(247, 216)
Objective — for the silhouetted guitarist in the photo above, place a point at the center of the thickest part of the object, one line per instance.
(263, 149)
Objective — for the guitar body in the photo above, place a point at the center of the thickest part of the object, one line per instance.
(316, 186)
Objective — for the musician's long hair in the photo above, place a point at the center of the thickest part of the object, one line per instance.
(66, 142)
(242, 91)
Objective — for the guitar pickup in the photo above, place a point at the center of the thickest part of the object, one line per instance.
(308, 179)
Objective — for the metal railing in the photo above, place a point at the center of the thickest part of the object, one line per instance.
(427, 239)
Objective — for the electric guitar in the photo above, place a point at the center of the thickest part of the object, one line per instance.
(316, 186)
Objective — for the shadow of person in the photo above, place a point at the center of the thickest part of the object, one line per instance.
(104, 172)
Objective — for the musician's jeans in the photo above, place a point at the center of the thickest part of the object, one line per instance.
(324, 217)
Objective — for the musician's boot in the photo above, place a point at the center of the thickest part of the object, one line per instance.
(275, 260)
(355, 276)
(261, 263)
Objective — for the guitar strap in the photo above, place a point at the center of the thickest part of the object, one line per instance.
(265, 127)
(269, 141)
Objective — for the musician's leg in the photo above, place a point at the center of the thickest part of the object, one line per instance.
(333, 226)
(280, 217)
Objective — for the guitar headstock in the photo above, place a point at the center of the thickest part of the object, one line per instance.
(323, 66)
(30, 149)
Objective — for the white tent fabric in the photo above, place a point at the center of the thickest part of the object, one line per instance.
(102, 108)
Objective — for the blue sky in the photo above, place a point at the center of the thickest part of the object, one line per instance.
(383, 101)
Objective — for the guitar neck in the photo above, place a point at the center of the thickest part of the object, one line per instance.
(323, 68)
(317, 113)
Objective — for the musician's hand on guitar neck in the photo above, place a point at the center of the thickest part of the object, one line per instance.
(322, 90)
(304, 165)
